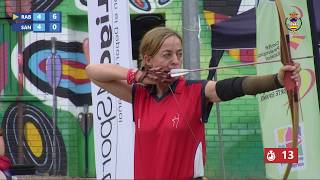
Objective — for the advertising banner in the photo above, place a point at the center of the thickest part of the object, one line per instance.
(275, 115)
(109, 41)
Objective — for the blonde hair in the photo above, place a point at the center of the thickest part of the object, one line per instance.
(153, 40)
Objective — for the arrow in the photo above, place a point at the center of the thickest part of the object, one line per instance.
(181, 72)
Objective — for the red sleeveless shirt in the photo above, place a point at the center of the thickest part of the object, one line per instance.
(169, 131)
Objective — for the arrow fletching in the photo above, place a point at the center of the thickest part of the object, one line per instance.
(178, 72)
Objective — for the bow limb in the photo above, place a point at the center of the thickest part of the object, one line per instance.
(290, 84)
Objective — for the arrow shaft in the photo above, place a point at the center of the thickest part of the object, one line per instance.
(240, 65)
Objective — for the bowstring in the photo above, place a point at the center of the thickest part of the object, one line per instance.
(177, 104)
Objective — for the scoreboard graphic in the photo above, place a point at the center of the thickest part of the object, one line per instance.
(37, 22)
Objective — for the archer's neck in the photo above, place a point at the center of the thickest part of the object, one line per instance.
(162, 89)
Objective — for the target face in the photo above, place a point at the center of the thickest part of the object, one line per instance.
(37, 139)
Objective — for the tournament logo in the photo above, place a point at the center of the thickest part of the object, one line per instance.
(294, 22)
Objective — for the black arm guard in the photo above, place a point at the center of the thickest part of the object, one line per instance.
(231, 88)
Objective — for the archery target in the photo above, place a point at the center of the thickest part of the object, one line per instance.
(74, 87)
(38, 143)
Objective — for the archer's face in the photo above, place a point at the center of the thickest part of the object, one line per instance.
(169, 55)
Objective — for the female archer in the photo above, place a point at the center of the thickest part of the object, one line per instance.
(169, 112)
